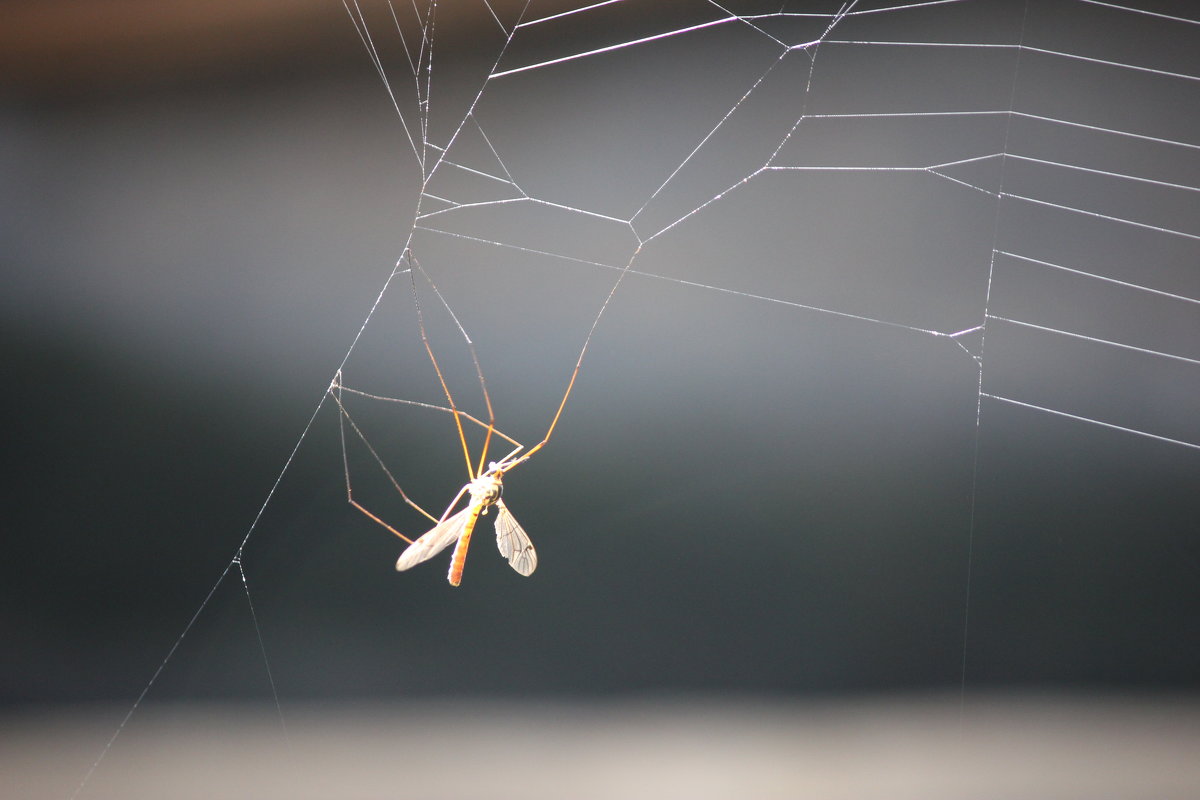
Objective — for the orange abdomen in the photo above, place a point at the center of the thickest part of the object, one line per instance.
(459, 559)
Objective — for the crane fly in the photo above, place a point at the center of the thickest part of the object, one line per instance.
(484, 486)
(484, 492)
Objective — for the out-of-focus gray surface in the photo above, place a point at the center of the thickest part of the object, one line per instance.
(1032, 748)
(746, 497)
(744, 494)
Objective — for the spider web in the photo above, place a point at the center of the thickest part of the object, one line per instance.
(795, 248)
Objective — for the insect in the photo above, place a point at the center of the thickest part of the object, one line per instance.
(484, 487)
(511, 538)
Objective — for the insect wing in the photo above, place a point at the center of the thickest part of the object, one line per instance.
(513, 542)
(434, 541)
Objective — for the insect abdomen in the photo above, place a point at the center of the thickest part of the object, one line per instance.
(459, 559)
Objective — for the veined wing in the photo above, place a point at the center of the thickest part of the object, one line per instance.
(434, 541)
(513, 542)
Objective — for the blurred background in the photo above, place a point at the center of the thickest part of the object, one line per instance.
(781, 552)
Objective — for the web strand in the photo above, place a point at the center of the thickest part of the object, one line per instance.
(983, 332)
(150, 684)
(440, 207)
(262, 648)
(1091, 421)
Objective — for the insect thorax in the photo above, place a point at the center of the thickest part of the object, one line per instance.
(486, 489)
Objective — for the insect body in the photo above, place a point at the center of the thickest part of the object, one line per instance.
(484, 492)
(484, 487)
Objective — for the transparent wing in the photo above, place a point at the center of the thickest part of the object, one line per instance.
(513, 542)
(434, 541)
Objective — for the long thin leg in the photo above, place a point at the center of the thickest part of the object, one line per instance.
(557, 414)
(374, 518)
(462, 437)
(491, 425)
(578, 363)
(336, 389)
(430, 406)
(343, 418)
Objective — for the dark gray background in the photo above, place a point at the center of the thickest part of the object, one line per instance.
(742, 497)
